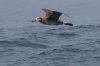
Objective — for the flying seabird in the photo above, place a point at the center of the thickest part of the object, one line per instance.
(51, 18)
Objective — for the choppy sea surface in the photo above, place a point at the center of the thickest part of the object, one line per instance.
(23, 43)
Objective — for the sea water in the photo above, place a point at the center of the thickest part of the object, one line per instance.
(23, 43)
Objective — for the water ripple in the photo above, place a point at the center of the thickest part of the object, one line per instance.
(22, 43)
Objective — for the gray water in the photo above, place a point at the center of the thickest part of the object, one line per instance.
(23, 43)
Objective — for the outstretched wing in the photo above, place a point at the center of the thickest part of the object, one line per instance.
(47, 12)
(52, 15)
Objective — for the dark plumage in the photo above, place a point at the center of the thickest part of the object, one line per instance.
(51, 18)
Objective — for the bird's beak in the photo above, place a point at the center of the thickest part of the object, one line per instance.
(34, 21)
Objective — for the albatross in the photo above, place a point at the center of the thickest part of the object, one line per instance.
(51, 18)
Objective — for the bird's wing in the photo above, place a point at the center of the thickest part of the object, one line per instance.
(52, 15)
(47, 12)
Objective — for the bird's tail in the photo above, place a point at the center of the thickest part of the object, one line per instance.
(70, 24)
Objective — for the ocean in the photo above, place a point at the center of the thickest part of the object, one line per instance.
(23, 43)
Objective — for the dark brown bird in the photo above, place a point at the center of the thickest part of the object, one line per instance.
(51, 18)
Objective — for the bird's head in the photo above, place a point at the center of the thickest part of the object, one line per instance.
(39, 19)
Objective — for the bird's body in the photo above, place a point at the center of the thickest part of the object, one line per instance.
(50, 22)
(51, 18)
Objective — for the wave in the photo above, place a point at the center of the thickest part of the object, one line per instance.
(87, 26)
(22, 43)
(26, 37)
